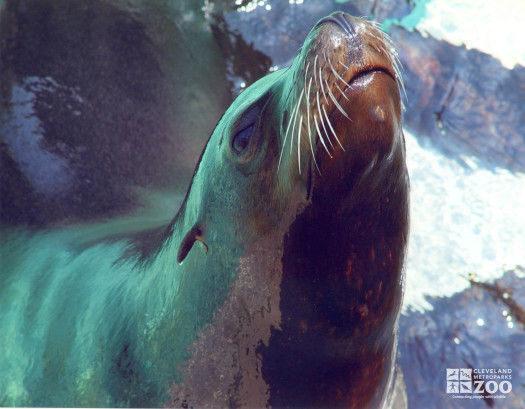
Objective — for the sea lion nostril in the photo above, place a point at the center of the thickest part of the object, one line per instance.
(340, 19)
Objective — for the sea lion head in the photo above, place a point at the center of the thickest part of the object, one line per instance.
(308, 164)
(333, 115)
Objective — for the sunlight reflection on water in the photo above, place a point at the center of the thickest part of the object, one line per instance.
(463, 221)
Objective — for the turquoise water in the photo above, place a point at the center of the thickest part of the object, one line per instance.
(410, 21)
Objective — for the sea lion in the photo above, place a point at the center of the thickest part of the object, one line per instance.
(321, 222)
(278, 283)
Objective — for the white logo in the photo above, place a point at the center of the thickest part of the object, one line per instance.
(478, 383)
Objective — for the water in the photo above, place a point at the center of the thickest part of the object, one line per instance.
(488, 26)
(464, 220)
(23, 134)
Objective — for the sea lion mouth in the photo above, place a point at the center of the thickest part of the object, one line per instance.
(343, 61)
(361, 75)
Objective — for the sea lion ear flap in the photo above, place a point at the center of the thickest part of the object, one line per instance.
(194, 234)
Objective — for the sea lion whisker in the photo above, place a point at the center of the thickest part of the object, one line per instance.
(322, 122)
(319, 106)
(292, 88)
(396, 64)
(307, 98)
(286, 135)
(332, 129)
(321, 137)
(388, 48)
(382, 35)
(399, 77)
(343, 64)
(339, 107)
(312, 148)
(299, 142)
(337, 74)
(295, 119)
(298, 72)
(383, 45)
(318, 79)
(306, 71)
(322, 86)
(386, 39)
(315, 71)
(326, 132)
(341, 91)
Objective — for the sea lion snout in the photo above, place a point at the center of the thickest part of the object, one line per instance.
(344, 21)
(344, 106)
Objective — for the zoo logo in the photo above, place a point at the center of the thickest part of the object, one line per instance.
(461, 380)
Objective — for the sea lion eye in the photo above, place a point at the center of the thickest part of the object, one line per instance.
(241, 139)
